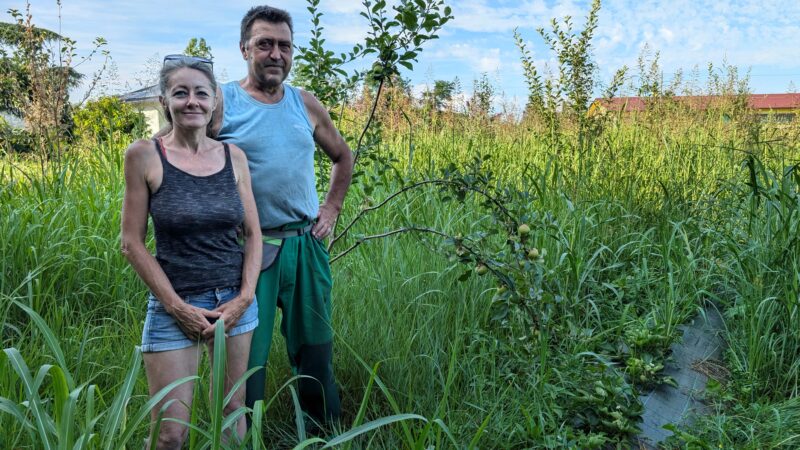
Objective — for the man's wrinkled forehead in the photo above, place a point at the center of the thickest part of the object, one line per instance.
(262, 29)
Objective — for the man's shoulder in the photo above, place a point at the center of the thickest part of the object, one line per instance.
(313, 106)
(227, 87)
(304, 94)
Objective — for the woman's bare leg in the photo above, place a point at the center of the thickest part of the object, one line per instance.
(163, 368)
(238, 351)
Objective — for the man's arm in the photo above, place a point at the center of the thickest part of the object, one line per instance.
(331, 142)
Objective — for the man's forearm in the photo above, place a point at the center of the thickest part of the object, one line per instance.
(341, 176)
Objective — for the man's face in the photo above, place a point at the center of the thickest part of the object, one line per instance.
(268, 52)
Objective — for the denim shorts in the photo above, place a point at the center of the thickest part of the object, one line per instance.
(161, 331)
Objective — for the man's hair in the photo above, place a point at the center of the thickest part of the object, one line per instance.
(267, 14)
(168, 69)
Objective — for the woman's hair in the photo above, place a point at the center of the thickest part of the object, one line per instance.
(173, 65)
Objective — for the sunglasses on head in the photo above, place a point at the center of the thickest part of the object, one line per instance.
(186, 58)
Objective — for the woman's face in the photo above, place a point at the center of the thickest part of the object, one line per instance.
(189, 98)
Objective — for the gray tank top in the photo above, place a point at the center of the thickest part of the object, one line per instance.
(195, 220)
(279, 143)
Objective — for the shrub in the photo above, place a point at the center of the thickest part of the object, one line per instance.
(107, 118)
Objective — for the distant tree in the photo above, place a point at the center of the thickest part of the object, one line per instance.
(651, 77)
(440, 96)
(36, 75)
(20, 46)
(482, 96)
(198, 47)
(14, 34)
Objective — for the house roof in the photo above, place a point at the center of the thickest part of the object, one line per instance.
(141, 95)
(756, 101)
(774, 101)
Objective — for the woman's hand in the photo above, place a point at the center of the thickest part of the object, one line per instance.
(194, 321)
(233, 310)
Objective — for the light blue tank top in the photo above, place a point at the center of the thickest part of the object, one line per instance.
(279, 144)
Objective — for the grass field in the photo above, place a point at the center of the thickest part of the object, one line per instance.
(634, 233)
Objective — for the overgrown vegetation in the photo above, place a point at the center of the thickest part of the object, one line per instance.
(498, 284)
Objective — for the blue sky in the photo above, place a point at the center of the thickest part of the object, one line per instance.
(762, 36)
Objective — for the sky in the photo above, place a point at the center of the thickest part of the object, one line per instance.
(759, 37)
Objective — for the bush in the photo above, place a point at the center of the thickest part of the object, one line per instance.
(108, 118)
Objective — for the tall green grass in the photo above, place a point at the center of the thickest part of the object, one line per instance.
(655, 221)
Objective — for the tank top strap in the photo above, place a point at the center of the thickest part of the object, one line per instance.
(228, 161)
(162, 152)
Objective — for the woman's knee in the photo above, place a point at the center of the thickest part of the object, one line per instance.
(237, 401)
(171, 436)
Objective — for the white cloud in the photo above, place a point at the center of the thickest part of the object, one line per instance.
(490, 62)
(341, 6)
(758, 33)
(486, 16)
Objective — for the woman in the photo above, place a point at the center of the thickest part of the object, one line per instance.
(197, 191)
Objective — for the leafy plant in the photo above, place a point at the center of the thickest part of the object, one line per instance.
(107, 119)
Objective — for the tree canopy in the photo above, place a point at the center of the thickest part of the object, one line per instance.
(198, 47)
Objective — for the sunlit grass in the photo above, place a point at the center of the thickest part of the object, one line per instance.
(653, 222)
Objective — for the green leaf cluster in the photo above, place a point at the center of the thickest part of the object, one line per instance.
(107, 119)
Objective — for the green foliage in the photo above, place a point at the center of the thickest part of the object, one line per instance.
(320, 71)
(27, 44)
(647, 349)
(108, 119)
(588, 263)
(37, 76)
(440, 97)
(747, 427)
(198, 47)
(396, 41)
(396, 38)
(622, 261)
(482, 95)
(12, 34)
(570, 90)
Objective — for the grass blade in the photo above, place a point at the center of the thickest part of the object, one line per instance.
(144, 410)
(218, 385)
(157, 425)
(362, 409)
(256, 424)
(239, 384)
(51, 340)
(11, 408)
(369, 426)
(308, 443)
(60, 386)
(299, 422)
(117, 410)
(44, 424)
(65, 428)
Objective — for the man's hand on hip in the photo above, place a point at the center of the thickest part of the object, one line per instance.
(327, 217)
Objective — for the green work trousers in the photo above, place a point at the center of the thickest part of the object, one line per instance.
(299, 283)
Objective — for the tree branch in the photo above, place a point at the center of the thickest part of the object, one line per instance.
(387, 234)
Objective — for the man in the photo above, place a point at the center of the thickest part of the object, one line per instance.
(277, 126)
